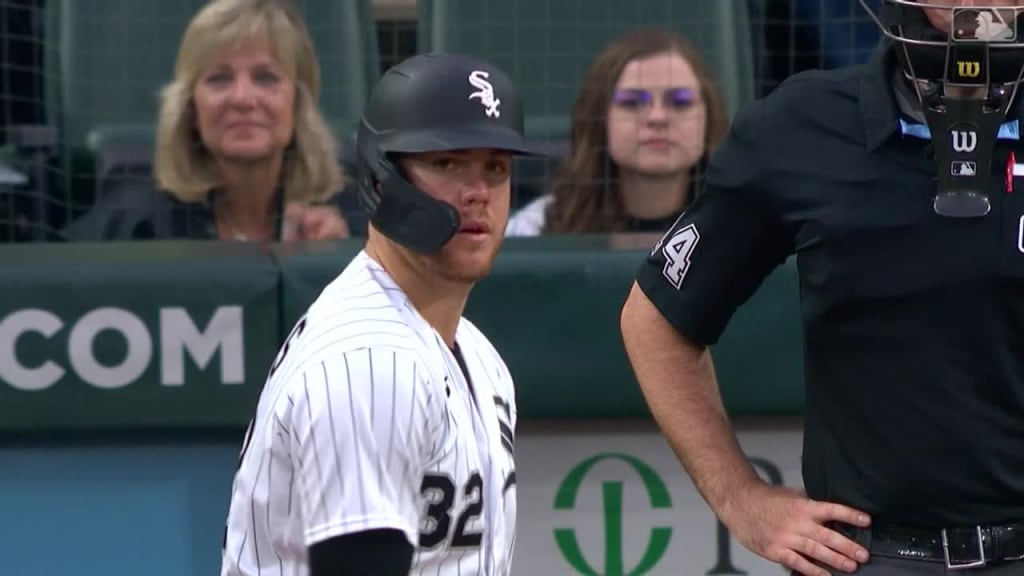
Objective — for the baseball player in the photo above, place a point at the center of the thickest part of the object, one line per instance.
(383, 439)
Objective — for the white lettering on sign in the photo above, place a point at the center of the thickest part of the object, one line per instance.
(178, 337)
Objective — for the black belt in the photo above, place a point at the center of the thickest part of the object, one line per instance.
(958, 548)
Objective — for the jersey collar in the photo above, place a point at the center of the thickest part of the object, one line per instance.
(877, 101)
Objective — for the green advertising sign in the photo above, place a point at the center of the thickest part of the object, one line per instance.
(180, 334)
(551, 305)
(617, 521)
(161, 335)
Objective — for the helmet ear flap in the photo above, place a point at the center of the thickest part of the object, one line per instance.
(369, 193)
(399, 210)
(369, 175)
(412, 217)
(370, 184)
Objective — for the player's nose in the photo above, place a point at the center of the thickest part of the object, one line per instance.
(475, 187)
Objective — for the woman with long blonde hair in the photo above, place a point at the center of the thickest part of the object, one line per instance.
(242, 151)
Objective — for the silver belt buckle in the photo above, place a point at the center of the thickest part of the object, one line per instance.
(950, 565)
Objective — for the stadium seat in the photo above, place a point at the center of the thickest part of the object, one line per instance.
(345, 35)
(548, 45)
(106, 61)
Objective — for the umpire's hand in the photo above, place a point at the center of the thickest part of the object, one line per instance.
(784, 526)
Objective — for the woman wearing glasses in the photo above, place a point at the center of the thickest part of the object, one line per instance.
(646, 120)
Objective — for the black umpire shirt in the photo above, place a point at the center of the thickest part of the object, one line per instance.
(913, 322)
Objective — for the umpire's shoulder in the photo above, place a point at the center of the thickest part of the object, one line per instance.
(808, 101)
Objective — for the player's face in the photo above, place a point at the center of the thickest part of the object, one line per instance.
(657, 118)
(477, 184)
(244, 104)
(941, 17)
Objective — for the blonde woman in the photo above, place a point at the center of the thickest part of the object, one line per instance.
(242, 151)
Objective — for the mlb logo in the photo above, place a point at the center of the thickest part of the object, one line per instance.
(983, 25)
(963, 168)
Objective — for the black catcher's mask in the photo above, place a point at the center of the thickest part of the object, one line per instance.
(981, 58)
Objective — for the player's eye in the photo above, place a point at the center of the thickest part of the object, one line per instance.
(444, 164)
(499, 167)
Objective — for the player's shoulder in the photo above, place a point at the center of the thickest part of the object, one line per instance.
(358, 379)
(359, 370)
(361, 310)
(362, 305)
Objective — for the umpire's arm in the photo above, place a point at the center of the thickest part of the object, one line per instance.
(686, 291)
(678, 382)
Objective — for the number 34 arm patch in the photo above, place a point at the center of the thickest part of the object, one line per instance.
(677, 251)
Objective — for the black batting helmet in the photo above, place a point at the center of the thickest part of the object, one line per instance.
(430, 103)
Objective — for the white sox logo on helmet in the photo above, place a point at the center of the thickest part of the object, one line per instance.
(485, 92)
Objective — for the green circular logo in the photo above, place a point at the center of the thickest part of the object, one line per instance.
(611, 491)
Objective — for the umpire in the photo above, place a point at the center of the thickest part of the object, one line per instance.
(897, 187)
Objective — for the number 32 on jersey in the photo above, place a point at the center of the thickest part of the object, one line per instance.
(440, 490)
(677, 251)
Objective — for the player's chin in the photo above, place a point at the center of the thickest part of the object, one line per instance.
(468, 266)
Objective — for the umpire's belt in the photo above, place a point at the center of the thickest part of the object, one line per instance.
(958, 548)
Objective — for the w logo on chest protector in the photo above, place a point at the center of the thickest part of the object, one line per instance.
(964, 140)
(485, 92)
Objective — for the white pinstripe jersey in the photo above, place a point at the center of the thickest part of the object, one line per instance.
(366, 421)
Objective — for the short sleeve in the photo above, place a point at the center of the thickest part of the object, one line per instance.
(720, 250)
(361, 426)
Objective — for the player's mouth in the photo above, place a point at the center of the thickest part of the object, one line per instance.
(477, 229)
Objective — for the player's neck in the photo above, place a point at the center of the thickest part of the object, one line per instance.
(440, 302)
(442, 310)
(650, 197)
